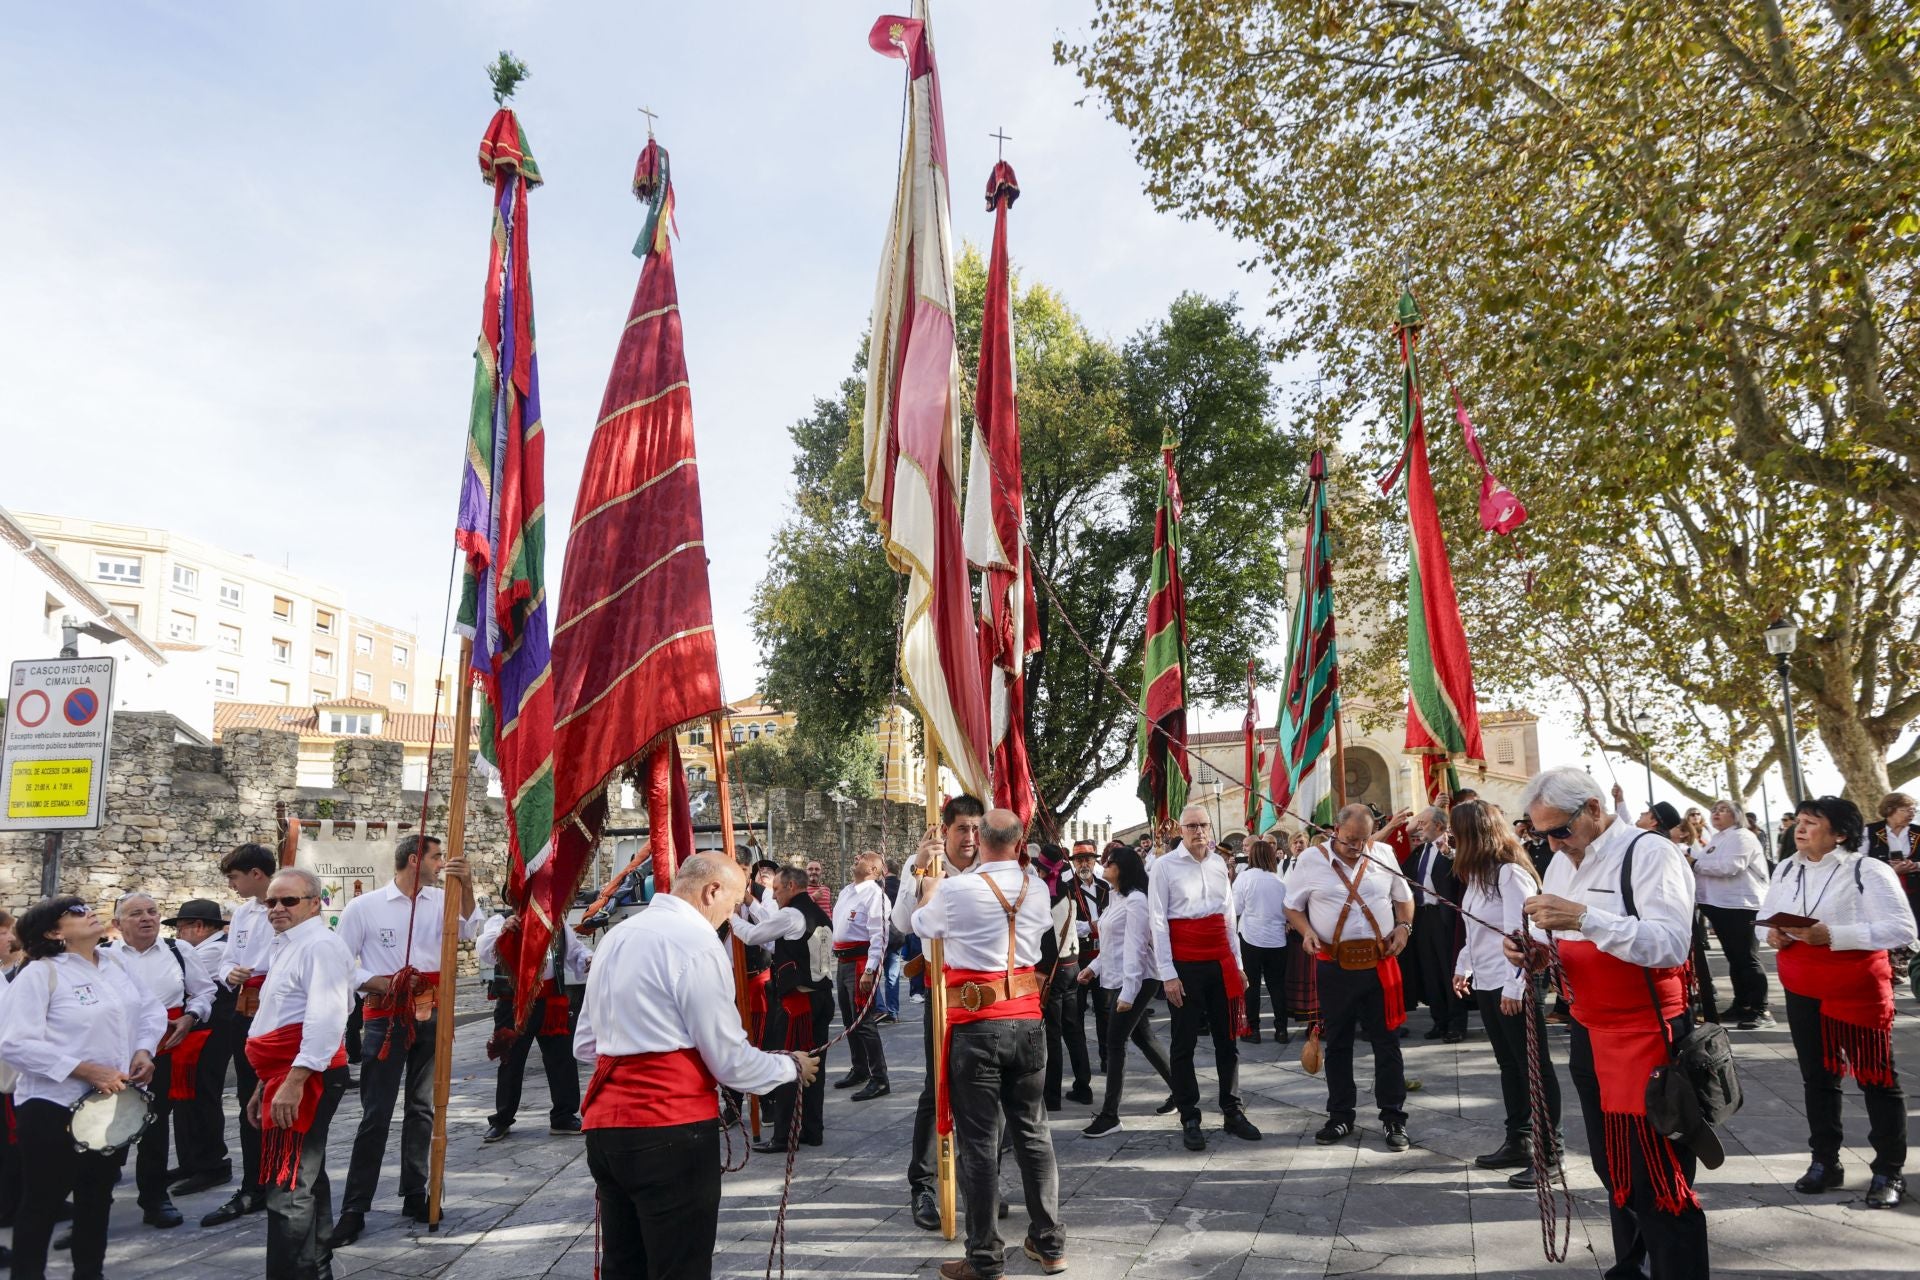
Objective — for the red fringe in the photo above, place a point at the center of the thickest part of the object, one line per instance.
(186, 1065)
(1672, 1193)
(280, 1156)
(1865, 1053)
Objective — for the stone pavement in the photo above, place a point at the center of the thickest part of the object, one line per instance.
(1136, 1204)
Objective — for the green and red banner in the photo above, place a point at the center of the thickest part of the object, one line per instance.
(1302, 774)
(1162, 746)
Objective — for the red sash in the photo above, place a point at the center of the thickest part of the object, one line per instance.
(1393, 987)
(1610, 1000)
(1855, 991)
(850, 952)
(1027, 1006)
(1205, 938)
(650, 1091)
(799, 1010)
(271, 1055)
(757, 985)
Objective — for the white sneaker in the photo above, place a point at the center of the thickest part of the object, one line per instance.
(918, 999)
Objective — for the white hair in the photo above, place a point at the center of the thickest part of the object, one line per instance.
(304, 876)
(1566, 790)
(1435, 815)
(135, 896)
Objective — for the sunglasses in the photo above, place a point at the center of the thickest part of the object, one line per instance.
(1561, 832)
(289, 903)
(78, 909)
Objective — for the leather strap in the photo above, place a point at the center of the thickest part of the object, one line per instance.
(1353, 900)
(1013, 912)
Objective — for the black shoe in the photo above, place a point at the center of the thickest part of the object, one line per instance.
(1403, 1033)
(1003, 1211)
(64, 1240)
(850, 1079)
(1434, 1033)
(1453, 1037)
(1192, 1137)
(162, 1215)
(874, 1089)
(769, 1147)
(1054, 1104)
(1523, 1179)
(1821, 1177)
(1886, 1192)
(1756, 1021)
(238, 1205)
(926, 1212)
(1167, 1108)
(1101, 1126)
(414, 1206)
(194, 1183)
(1397, 1139)
(346, 1228)
(1332, 1131)
(1240, 1127)
(1081, 1094)
(1282, 1038)
(568, 1128)
(495, 1132)
(1252, 1037)
(805, 1141)
(1514, 1153)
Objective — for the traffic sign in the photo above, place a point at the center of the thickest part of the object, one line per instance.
(53, 768)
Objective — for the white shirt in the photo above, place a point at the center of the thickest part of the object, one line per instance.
(1182, 888)
(1662, 937)
(94, 1013)
(1873, 916)
(1315, 888)
(249, 940)
(487, 950)
(209, 950)
(1126, 947)
(860, 915)
(176, 984)
(965, 912)
(374, 927)
(1483, 958)
(907, 901)
(311, 983)
(781, 924)
(1732, 872)
(1067, 937)
(662, 981)
(1260, 901)
(1424, 862)
(1899, 843)
(1090, 890)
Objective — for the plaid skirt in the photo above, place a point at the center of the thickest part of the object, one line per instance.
(1303, 990)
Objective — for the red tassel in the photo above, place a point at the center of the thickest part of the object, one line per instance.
(280, 1156)
(1672, 1193)
(1865, 1053)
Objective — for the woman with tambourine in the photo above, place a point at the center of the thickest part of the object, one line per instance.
(76, 1026)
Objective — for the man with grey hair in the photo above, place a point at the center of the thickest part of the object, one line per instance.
(1437, 935)
(860, 916)
(1618, 904)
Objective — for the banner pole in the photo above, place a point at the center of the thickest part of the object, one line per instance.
(716, 724)
(456, 847)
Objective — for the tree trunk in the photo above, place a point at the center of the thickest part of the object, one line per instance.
(1862, 761)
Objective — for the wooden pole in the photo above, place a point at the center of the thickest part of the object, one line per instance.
(450, 933)
(946, 1182)
(1339, 762)
(715, 724)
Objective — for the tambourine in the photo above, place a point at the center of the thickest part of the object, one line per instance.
(108, 1123)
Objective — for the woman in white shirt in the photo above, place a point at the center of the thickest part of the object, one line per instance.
(1126, 969)
(1498, 877)
(1260, 907)
(73, 1021)
(1729, 879)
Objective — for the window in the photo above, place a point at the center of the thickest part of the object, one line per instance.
(1503, 751)
(322, 693)
(180, 626)
(739, 733)
(226, 684)
(753, 731)
(322, 663)
(229, 638)
(117, 569)
(186, 580)
(232, 595)
(697, 736)
(363, 644)
(398, 690)
(769, 731)
(283, 608)
(279, 691)
(283, 651)
(399, 655)
(323, 621)
(696, 775)
(362, 682)
(129, 612)
(349, 723)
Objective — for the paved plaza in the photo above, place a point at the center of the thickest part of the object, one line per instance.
(1136, 1204)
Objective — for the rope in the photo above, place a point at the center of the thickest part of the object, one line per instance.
(1556, 1219)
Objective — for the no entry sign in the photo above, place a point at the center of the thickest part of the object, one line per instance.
(53, 757)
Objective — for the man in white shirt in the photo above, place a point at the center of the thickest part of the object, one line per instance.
(993, 923)
(860, 917)
(660, 1025)
(298, 1051)
(171, 973)
(400, 971)
(1730, 878)
(1090, 897)
(240, 970)
(200, 1122)
(800, 1000)
(1354, 912)
(548, 1023)
(1619, 956)
(1196, 945)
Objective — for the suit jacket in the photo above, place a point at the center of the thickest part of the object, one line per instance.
(1877, 848)
(1100, 893)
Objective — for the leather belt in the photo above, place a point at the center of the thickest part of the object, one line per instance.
(975, 996)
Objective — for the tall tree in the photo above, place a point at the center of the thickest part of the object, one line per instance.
(1091, 417)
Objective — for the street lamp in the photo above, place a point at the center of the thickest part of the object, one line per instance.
(1643, 727)
(1782, 636)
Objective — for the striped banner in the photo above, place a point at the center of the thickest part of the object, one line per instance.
(1162, 745)
(1301, 776)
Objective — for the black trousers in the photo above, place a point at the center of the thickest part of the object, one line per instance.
(1269, 965)
(150, 1155)
(556, 1054)
(659, 1196)
(813, 1105)
(300, 1217)
(1646, 1241)
(56, 1170)
(1432, 954)
(244, 1083)
(996, 1068)
(1063, 1026)
(1702, 971)
(869, 1055)
(1352, 1001)
(1099, 999)
(1134, 1025)
(1205, 1000)
(200, 1123)
(1734, 927)
(920, 1165)
(1886, 1107)
(380, 1082)
(1508, 1032)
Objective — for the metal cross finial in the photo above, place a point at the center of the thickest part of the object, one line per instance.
(651, 117)
(1002, 139)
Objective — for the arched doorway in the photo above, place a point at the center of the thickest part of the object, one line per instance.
(1369, 781)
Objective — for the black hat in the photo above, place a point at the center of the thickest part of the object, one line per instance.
(1665, 814)
(200, 910)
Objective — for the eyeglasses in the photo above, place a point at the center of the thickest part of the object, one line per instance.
(289, 903)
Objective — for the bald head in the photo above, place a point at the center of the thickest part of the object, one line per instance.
(712, 885)
(1001, 835)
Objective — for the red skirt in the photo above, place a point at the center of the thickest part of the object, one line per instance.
(1855, 991)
